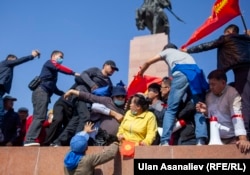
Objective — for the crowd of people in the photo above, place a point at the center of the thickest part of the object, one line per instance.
(93, 111)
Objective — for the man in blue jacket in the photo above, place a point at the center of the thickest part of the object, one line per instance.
(6, 75)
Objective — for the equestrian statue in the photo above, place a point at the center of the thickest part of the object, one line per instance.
(152, 15)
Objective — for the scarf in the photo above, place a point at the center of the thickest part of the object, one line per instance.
(72, 159)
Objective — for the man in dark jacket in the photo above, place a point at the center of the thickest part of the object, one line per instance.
(233, 52)
(23, 115)
(41, 95)
(108, 122)
(96, 81)
(11, 123)
(6, 75)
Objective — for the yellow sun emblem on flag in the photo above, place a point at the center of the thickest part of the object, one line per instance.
(128, 147)
(219, 6)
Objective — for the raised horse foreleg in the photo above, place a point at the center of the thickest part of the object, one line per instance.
(139, 20)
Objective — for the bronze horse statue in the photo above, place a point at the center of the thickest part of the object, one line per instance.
(152, 15)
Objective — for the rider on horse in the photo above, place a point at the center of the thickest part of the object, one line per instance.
(152, 15)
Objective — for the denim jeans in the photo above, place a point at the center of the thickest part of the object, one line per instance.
(199, 118)
(179, 87)
(40, 100)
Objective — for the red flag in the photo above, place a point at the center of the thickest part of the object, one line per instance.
(141, 83)
(222, 12)
(128, 148)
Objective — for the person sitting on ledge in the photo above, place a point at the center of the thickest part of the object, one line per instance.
(139, 125)
(224, 102)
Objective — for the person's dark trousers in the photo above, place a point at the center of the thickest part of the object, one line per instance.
(83, 114)
(76, 122)
(187, 134)
(40, 100)
(68, 132)
(242, 85)
(157, 139)
(62, 113)
(82, 109)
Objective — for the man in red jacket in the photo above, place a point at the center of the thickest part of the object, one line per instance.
(41, 95)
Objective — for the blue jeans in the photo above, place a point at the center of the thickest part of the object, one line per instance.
(179, 87)
(40, 100)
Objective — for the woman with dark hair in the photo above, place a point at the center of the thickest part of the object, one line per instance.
(139, 124)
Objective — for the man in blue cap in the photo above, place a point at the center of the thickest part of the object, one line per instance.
(77, 162)
(11, 123)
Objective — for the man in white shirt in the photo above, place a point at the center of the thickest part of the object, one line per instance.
(224, 102)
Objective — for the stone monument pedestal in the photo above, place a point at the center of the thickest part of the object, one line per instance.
(144, 47)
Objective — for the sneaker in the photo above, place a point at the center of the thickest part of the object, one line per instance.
(200, 141)
(54, 145)
(164, 144)
(31, 144)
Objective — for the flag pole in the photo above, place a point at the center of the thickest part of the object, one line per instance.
(244, 23)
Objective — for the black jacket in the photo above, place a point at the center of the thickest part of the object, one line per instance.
(49, 74)
(11, 127)
(93, 76)
(233, 50)
(6, 71)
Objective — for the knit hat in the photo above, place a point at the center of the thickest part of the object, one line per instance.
(79, 142)
(78, 145)
(118, 90)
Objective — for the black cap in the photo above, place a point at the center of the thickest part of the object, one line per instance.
(8, 97)
(112, 64)
(23, 109)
